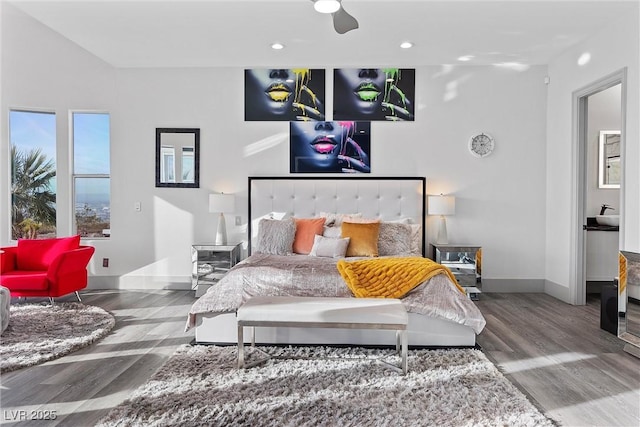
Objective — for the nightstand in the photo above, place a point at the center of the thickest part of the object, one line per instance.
(464, 261)
(209, 262)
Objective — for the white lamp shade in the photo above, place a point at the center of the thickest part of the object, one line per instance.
(442, 205)
(326, 6)
(222, 203)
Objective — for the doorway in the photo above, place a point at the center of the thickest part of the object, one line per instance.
(589, 195)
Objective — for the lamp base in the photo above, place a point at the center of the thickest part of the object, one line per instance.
(442, 232)
(221, 235)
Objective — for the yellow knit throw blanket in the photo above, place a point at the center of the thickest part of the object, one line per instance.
(390, 277)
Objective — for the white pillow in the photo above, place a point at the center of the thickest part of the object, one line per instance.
(276, 237)
(335, 219)
(403, 220)
(329, 247)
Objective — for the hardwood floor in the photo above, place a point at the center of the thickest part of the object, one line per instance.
(82, 386)
(555, 353)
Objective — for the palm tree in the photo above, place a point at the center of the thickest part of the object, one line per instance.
(32, 201)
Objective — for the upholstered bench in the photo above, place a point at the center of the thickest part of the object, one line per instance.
(321, 312)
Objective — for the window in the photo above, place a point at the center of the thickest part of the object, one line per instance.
(32, 136)
(91, 174)
(188, 164)
(168, 170)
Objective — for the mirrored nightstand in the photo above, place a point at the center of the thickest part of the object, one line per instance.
(465, 262)
(210, 262)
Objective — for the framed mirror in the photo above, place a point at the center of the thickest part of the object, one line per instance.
(609, 159)
(178, 157)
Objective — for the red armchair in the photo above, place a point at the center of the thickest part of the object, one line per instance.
(46, 267)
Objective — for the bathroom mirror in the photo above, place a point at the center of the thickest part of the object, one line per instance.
(629, 301)
(178, 157)
(609, 159)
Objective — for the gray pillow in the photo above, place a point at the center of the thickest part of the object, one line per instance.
(275, 237)
(416, 239)
(332, 232)
(394, 239)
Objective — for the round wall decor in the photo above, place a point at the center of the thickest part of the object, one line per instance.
(481, 145)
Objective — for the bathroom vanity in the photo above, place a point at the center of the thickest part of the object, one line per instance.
(602, 252)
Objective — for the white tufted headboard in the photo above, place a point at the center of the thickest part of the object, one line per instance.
(388, 198)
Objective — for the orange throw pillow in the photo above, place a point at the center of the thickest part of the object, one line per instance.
(306, 230)
(364, 238)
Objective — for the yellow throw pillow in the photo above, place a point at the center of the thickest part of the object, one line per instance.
(363, 238)
(360, 220)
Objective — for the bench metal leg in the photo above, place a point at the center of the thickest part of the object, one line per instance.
(405, 348)
(402, 344)
(402, 348)
(242, 364)
(240, 347)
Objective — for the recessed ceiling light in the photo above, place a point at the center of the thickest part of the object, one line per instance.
(584, 59)
(277, 46)
(326, 6)
(406, 45)
(465, 58)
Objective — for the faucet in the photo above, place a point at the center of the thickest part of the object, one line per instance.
(603, 208)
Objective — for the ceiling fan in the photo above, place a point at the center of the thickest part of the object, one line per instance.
(342, 20)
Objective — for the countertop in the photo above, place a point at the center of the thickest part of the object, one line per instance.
(592, 225)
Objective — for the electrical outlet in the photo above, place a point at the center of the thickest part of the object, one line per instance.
(105, 262)
(238, 220)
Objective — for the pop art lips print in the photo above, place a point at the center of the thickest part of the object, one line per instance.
(279, 92)
(368, 92)
(323, 145)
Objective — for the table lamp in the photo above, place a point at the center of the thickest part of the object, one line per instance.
(222, 203)
(442, 205)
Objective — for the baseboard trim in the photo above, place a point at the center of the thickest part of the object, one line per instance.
(557, 291)
(513, 285)
(139, 282)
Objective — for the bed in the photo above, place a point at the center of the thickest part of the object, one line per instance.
(439, 314)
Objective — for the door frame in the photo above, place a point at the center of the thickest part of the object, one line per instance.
(577, 289)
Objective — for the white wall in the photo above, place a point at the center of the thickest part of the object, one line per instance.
(41, 70)
(612, 49)
(500, 199)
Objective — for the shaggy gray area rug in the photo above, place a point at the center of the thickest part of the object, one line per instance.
(38, 333)
(201, 386)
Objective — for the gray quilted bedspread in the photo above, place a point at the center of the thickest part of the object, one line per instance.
(302, 275)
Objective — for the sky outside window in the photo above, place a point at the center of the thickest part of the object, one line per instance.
(91, 142)
(33, 207)
(91, 169)
(34, 130)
